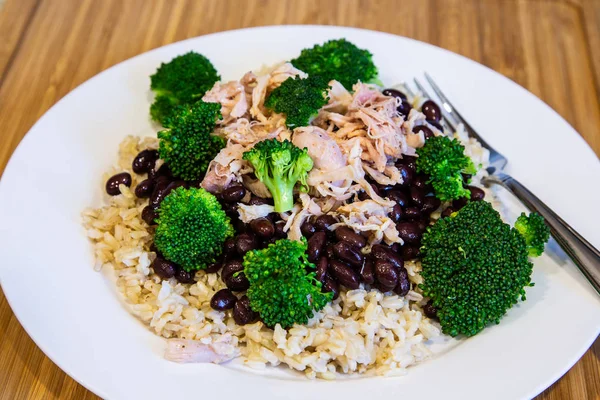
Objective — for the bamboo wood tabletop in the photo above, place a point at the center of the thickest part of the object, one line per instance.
(48, 47)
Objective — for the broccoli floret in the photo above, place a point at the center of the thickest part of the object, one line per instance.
(475, 267)
(181, 81)
(535, 231)
(279, 165)
(339, 60)
(188, 145)
(444, 160)
(281, 289)
(299, 99)
(192, 228)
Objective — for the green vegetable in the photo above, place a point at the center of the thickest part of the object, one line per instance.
(279, 165)
(188, 145)
(444, 160)
(192, 228)
(475, 268)
(183, 80)
(299, 99)
(535, 232)
(281, 290)
(339, 60)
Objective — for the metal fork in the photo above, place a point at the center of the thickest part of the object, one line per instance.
(583, 254)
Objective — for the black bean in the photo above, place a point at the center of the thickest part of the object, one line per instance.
(427, 133)
(459, 203)
(409, 232)
(466, 177)
(384, 253)
(366, 272)
(245, 242)
(223, 300)
(149, 215)
(233, 193)
(257, 201)
(343, 233)
(164, 268)
(184, 276)
(382, 288)
(307, 229)
(237, 281)
(382, 190)
(112, 184)
(396, 248)
(416, 196)
(330, 285)
(242, 313)
(345, 252)
(431, 110)
(448, 211)
(321, 269)
(420, 181)
(379, 251)
(476, 193)
(144, 161)
(274, 217)
(231, 267)
(279, 232)
(323, 222)
(396, 213)
(386, 273)
(344, 274)
(157, 196)
(329, 251)
(410, 252)
(430, 204)
(404, 108)
(436, 124)
(406, 171)
(423, 224)
(163, 170)
(144, 188)
(229, 247)
(214, 267)
(394, 93)
(430, 311)
(315, 246)
(399, 197)
(172, 186)
(411, 213)
(403, 283)
(263, 227)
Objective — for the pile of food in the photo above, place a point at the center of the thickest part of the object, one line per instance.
(303, 215)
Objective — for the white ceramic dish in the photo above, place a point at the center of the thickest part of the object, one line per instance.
(75, 317)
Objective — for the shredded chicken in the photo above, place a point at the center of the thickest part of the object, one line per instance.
(307, 208)
(193, 351)
(355, 139)
(371, 218)
(232, 97)
(224, 168)
(248, 212)
(322, 148)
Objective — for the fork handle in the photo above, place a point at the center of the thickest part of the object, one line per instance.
(583, 254)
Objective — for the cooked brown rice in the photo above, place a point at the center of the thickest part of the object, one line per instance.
(362, 331)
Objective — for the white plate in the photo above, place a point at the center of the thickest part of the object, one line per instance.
(75, 317)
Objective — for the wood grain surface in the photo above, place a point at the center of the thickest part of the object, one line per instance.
(48, 47)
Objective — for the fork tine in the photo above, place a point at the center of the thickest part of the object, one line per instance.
(447, 105)
(447, 117)
(448, 108)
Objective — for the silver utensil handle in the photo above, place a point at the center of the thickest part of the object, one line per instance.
(585, 256)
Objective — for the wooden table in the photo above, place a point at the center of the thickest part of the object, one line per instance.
(48, 47)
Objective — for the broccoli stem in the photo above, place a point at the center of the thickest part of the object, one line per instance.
(282, 192)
